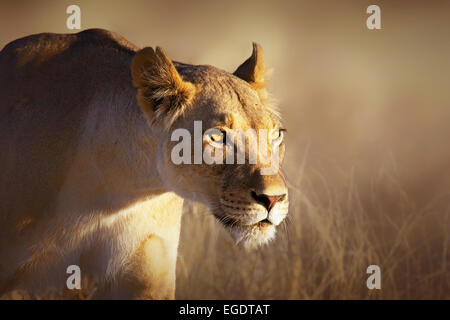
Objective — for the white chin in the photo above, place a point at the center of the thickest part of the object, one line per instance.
(253, 236)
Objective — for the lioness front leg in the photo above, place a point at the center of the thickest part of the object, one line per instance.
(150, 273)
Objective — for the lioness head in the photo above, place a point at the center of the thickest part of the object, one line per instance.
(199, 113)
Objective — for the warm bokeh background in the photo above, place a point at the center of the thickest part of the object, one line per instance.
(368, 151)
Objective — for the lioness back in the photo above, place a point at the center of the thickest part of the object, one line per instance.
(47, 85)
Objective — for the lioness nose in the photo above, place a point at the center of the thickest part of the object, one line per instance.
(267, 201)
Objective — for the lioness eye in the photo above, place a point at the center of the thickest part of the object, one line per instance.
(277, 135)
(217, 136)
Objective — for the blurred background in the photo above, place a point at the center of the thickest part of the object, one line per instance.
(368, 151)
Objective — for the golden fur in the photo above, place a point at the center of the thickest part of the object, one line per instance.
(87, 178)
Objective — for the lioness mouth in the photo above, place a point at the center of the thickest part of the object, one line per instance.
(263, 223)
(230, 222)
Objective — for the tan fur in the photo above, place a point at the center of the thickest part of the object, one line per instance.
(87, 178)
(253, 70)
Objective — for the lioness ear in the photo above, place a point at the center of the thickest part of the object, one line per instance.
(162, 93)
(253, 70)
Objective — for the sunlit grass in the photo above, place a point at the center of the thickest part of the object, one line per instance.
(325, 247)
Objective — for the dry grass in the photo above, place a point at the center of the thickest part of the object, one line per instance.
(322, 252)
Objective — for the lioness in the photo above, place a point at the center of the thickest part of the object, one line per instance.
(86, 175)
